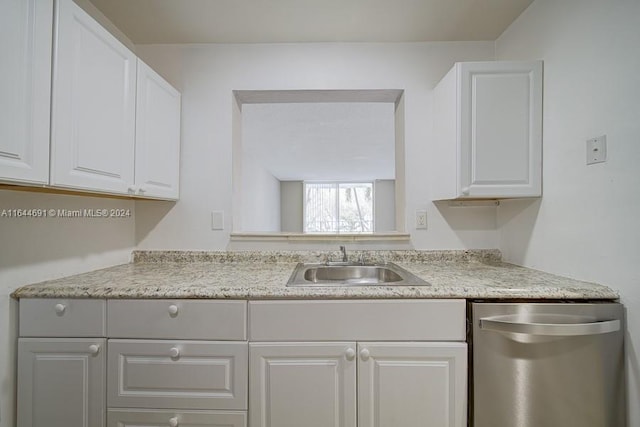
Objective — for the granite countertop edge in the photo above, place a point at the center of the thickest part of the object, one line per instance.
(468, 274)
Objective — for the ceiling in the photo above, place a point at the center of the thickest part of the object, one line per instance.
(277, 21)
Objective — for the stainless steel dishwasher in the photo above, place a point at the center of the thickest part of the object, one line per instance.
(547, 365)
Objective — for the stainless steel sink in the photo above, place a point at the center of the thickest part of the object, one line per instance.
(351, 274)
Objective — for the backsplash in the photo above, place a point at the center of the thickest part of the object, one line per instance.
(477, 255)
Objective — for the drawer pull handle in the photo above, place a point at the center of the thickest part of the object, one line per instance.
(364, 354)
(94, 349)
(173, 422)
(174, 352)
(60, 308)
(173, 310)
(350, 354)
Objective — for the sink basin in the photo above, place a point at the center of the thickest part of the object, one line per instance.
(346, 274)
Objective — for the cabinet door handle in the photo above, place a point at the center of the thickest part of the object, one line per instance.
(60, 308)
(364, 354)
(173, 422)
(465, 191)
(141, 190)
(350, 354)
(173, 310)
(132, 189)
(94, 349)
(174, 352)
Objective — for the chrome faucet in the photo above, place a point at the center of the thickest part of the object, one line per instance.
(344, 253)
(361, 259)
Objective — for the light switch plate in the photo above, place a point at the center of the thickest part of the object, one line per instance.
(217, 220)
(597, 150)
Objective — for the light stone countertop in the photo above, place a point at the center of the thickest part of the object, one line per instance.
(476, 274)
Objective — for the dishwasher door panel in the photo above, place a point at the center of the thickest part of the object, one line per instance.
(548, 365)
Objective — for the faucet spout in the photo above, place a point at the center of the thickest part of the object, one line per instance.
(344, 253)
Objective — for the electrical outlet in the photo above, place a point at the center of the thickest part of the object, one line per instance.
(421, 220)
(597, 150)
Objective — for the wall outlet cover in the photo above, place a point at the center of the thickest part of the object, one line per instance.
(421, 220)
(597, 150)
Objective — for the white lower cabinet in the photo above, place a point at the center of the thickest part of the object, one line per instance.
(420, 384)
(337, 364)
(193, 373)
(164, 418)
(302, 384)
(268, 363)
(412, 384)
(61, 382)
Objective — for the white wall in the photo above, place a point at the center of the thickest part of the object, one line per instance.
(260, 199)
(587, 224)
(385, 201)
(33, 250)
(207, 74)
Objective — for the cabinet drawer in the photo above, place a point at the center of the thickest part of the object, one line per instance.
(177, 319)
(163, 418)
(373, 320)
(50, 317)
(177, 374)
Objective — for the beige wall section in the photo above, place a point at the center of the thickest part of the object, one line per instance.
(291, 200)
(586, 224)
(385, 202)
(88, 7)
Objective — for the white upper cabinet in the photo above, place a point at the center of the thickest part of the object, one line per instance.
(157, 168)
(25, 90)
(488, 131)
(93, 109)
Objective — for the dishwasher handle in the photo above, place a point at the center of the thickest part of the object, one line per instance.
(549, 329)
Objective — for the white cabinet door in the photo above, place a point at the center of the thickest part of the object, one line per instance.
(412, 384)
(165, 417)
(93, 109)
(157, 169)
(488, 131)
(25, 89)
(61, 382)
(302, 384)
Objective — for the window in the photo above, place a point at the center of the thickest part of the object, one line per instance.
(338, 207)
